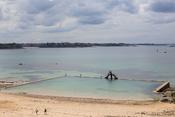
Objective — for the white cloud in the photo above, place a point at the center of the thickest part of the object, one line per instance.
(20, 18)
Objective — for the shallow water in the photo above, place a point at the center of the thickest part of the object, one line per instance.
(89, 87)
(141, 62)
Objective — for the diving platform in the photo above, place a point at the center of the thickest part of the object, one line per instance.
(111, 76)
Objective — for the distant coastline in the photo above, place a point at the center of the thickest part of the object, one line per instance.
(75, 45)
(11, 46)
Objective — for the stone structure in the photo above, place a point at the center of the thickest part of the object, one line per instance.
(163, 87)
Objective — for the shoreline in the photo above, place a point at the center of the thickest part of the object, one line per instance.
(84, 99)
(24, 105)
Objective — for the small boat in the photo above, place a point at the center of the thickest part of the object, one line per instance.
(20, 64)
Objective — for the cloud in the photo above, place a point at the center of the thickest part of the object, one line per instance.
(122, 5)
(163, 6)
(1, 15)
(159, 11)
(59, 17)
(37, 6)
(29, 14)
(89, 15)
(161, 18)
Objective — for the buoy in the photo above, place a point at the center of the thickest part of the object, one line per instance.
(20, 64)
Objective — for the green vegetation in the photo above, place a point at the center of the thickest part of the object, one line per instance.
(74, 45)
(11, 46)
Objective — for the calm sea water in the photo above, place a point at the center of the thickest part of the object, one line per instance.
(127, 62)
(92, 88)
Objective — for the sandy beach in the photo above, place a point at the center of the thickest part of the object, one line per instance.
(22, 105)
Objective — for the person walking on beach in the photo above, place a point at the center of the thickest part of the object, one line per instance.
(45, 111)
(36, 111)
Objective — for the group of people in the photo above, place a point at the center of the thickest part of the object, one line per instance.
(37, 111)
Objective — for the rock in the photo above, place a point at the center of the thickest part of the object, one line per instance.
(170, 93)
(166, 99)
(168, 96)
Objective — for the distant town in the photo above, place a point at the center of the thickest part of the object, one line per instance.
(74, 45)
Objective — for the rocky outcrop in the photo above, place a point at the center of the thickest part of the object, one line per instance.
(168, 95)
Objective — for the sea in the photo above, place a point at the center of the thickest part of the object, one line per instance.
(80, 72)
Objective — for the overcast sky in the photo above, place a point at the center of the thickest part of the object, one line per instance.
(133, 21)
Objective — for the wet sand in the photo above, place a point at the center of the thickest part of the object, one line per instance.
(24, 105)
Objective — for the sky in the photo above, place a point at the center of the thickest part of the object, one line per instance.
(102, 21)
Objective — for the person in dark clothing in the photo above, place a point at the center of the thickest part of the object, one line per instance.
(36, 111)
(45, 111)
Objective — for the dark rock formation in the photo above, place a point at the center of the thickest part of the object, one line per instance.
(168, 95)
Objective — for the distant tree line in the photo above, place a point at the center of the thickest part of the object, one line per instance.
(64, 45)
(73, 45)
(11, 46)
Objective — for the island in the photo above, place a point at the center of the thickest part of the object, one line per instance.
(10, 46)
(75, 45)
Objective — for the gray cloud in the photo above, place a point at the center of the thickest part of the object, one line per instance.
(163, 6)
(123, 5)
(59, 17)
(38, 6)
(92, 20)
(89, 16)
(38, 12)
(161, 11)
(1, 15)
(52, 13)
